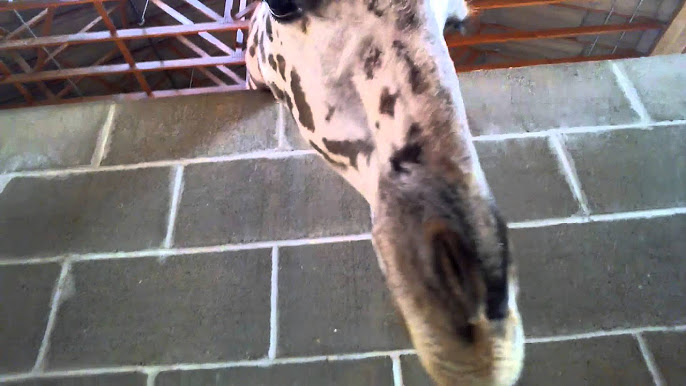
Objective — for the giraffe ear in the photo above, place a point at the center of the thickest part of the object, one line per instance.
(456, 267)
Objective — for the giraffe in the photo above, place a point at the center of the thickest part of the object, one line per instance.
(373, 90)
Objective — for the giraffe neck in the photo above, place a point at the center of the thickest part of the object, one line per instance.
(371, 102)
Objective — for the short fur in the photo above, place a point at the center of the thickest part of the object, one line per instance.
(373, 90)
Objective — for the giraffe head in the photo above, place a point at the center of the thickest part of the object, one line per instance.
(374, 91)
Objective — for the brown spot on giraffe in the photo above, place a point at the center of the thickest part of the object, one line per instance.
(304, 110)
(387, 102)
(350, 149)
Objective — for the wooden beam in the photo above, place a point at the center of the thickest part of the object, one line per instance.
(673, 40)
(124, 34)
(493, 4)
(456, 40)
(123, 68)
(536, 62)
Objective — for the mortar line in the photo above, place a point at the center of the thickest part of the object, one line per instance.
(175, 196)
(283, 154)
(208, 366)
(577, 130)
(547, 222)
(397, 370)
(4, 181)
(649, 360)
(274, 304)
(152, 376)
(630, 92)
(604, 333)
(566, 162)
(319, 358)
(52, 315)
(32, 261)
(103, 137)
(262, 154)
(191, 250)
(610, 217)
(282, 142)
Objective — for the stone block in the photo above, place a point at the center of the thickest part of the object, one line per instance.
(614, 360)
(86, 212)
(332, 299)
(50, 137)
(189, 127)
(194, 308)
(544, 97)
(627, 170)
(25, 297)
(373, 371)
(669, 351)
(526, 179)
(579, 278)
(660, 82)
(413, 372)
(117, 379)
(256, 200)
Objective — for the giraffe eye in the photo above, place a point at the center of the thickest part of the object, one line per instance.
(284, 10)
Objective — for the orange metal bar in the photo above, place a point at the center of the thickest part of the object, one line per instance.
(27, 95)
(123, 68)
(493, 4)
(26, 67)
(135, 96)
(459, 41)
(203, 70)
(205, 10)
(100, 61)
(26, 25)
(525, 63)
(604, 12)
(200, 52)
(186, 21)
(124, 34)
(32, 4)
(472, 57)
(45, 31)
(122, 47)
(108, 85)
(247, 11)
(569, 39)
(63, 47)
(122, 14)
(206, 36)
